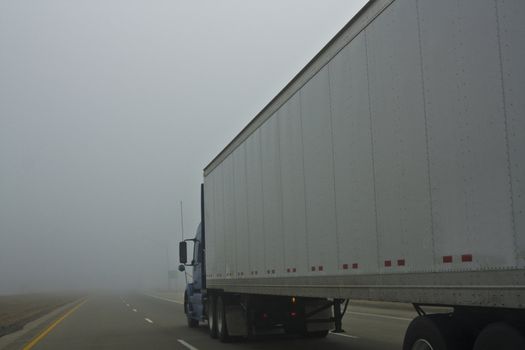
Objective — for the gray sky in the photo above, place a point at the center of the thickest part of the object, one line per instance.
(109, 111)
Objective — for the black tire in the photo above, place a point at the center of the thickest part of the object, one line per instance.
(501, 336)
(192, 323)
(432, 332)
(222, 327)
(212, 316)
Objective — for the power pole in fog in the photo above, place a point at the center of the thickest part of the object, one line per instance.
(181, 221)
(168, 264)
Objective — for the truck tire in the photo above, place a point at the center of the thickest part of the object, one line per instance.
(431, 332)
(212, 316)
(222, 327)
(501, 336)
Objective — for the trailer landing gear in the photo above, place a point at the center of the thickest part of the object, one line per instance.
(338, 314)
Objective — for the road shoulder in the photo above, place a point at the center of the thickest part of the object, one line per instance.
(16, 339)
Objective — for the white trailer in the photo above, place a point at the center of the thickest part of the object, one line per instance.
(391, 168)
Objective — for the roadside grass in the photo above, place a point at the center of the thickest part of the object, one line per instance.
(18, 310)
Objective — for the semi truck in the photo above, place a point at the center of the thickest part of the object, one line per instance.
(391, 168)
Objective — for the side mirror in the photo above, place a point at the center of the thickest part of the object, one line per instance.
(183, 254)
(182, 268)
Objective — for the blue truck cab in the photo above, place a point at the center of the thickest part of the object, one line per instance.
(195, 292)
(246, 314)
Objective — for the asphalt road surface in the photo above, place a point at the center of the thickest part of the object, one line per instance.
(151, 322)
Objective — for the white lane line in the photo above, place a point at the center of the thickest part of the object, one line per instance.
(148, 320)
(134, 310)
(165, 299)
(189, 346)
(345, 335)
(382, 316)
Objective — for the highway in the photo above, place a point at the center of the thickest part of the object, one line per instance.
(141, 321)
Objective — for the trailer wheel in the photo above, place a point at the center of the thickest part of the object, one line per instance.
(501, 336)
(212, 316)
(431, 332)
(222, 327)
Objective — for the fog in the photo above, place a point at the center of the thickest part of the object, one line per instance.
(109, 111)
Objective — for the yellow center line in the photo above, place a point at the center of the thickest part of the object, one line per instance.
(33, 342)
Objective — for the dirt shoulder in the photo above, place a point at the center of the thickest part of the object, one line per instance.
(18, 310)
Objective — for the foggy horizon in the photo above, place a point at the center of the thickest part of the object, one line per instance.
(109, 111)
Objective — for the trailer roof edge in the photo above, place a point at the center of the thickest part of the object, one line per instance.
(358, 23)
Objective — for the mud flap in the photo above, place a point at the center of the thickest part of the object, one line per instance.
(236, 321)
(322, 320)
